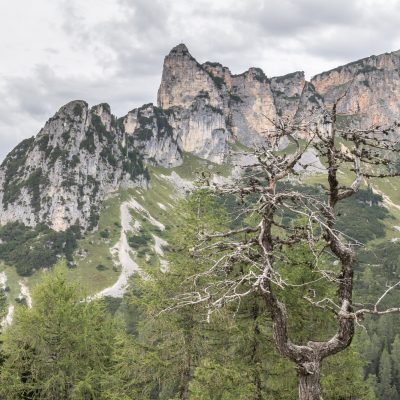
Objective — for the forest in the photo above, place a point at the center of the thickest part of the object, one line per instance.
(143, 347)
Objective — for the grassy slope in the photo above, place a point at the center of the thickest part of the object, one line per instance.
(389, 187)
(94, 250)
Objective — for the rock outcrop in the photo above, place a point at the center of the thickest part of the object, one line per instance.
(61, 176)
(223, 107)
(371, 87)
(148, 131)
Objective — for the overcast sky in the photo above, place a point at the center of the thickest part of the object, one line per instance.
(54, 51)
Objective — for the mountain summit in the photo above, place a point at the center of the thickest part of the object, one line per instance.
(61, 176)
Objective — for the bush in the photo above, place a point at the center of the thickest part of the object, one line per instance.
(29, 249)
(105, 234)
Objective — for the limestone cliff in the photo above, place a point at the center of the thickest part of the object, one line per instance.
(372, 85)
(222, 107)
(61, 176)
(147, 130)
(197, 111)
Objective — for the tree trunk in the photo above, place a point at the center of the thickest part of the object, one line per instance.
(309, 381)
(185, 379)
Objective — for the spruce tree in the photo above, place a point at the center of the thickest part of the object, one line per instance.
(60, 348)
(385, 388)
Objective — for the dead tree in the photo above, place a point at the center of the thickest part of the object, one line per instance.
(259, 246)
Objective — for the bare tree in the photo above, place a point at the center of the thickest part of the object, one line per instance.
(260, 246)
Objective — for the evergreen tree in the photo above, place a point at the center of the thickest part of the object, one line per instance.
(385, 388)
(59, 349)
(395, 355)
(185, 353)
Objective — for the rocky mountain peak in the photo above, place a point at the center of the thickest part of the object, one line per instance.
(182, 79)
(61, 176)
(81, 155)
(103, 111)
(73, 109)
(179, 50)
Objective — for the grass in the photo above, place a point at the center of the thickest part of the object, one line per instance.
(12, 282)
(95, 250)
(161, 202)
(193, 166)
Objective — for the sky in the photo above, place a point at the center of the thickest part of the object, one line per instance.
(55, 51)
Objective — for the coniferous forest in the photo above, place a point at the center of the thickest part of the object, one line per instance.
(144, 346)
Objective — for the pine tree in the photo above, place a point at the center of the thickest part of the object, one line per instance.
(395, 356)
(183, 352)
(385, 388)
(59, 349)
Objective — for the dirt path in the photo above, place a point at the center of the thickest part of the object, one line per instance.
(24, 293)
(122, 251)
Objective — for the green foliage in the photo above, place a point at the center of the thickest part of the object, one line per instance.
(218, 80)
(107, 154)
(164, 128)
(3, 308)
(88, 143)
(103, 134)
(260, 75)
(235, 98)
(133, 162)
(59, 349)
(139, 240)
(184, 351)
(105, 234)
(29, 249)
(77, 111)
(362, 216)
(34, 184)
(43, 142)
(13, 164)
(283, 78)
(384, 386)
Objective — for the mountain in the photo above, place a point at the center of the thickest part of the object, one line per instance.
(61, 176)
(372, 87)
(222, 107)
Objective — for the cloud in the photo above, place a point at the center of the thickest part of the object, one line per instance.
(113, 51)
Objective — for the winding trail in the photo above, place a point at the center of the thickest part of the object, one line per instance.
(7, 320)
(122, 251)
(24, 294)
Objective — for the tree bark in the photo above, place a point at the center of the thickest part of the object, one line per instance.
(309, 375)
(185, 379)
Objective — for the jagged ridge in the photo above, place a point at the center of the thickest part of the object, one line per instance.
(61, 176)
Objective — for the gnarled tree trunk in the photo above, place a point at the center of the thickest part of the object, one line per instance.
(309, 375)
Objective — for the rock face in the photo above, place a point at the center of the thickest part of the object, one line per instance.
(223, 107)
(373, 89)
(61, 176)
(147, 130)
